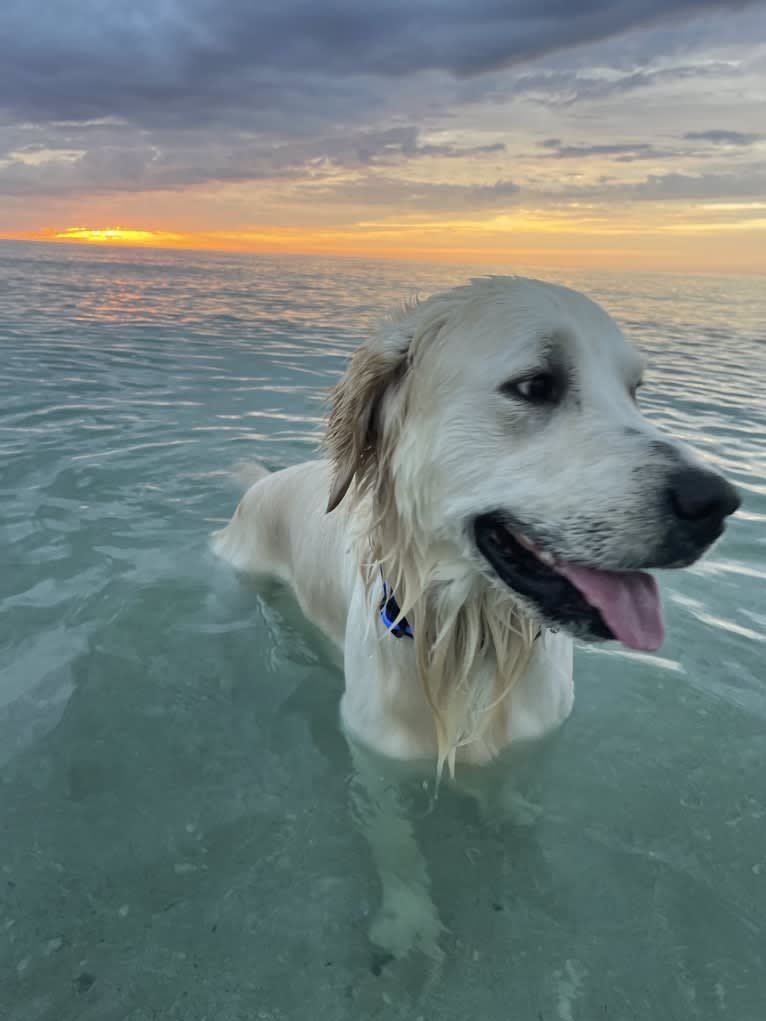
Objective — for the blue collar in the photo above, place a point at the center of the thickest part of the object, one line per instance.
(400, 628)
(389, 614)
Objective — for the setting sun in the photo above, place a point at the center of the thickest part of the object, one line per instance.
(113, 235)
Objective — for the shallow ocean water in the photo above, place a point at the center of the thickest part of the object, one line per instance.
(178, 830)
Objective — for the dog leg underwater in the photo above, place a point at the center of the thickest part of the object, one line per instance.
(407, 920)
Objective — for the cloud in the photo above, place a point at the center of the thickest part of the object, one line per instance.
(624, 152)
(629, 151)
(569, 86)
(106, 156)
(743, 184)
(720, 136)
(391, 146)
(415, 197)
(411, 105)
(182, 61)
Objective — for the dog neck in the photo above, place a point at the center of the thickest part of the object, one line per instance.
(472, 640)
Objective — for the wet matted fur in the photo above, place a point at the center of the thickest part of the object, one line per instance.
(505, 397)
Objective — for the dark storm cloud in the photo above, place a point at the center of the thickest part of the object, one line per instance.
(185, 60)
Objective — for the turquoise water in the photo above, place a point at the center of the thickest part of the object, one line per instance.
(178, 830)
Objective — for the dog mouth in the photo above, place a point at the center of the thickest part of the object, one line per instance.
(587, 601)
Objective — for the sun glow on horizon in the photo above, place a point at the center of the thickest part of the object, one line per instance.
(572, 235)
(112, 235)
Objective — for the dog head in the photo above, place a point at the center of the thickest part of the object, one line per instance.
(503, 417)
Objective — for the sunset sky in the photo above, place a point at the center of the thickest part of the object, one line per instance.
(628, 133)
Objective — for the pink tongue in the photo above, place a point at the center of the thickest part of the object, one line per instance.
(628, 601)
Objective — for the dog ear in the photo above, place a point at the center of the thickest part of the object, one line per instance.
(353, 429)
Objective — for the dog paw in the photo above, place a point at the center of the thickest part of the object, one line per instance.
(407, 921)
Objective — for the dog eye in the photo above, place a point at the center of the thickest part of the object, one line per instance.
(542, 388)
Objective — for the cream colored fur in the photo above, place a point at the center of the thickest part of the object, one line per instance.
(420, 440)
(281, 529)
(474, 678)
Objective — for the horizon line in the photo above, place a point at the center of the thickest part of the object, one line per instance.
(530, 258)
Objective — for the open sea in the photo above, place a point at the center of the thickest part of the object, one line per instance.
(178, 838)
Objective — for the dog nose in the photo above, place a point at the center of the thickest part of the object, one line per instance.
(703, 497)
